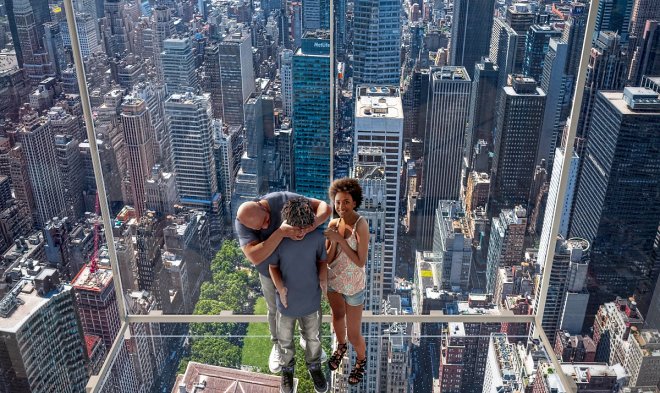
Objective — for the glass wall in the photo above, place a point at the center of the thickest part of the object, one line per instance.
(504, 237)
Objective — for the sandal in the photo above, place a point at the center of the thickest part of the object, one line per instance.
(337, 356)
(358, 372)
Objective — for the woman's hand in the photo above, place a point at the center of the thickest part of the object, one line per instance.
(333, 235)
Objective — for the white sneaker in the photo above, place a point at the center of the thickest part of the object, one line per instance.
(274, 360)
(303, 345)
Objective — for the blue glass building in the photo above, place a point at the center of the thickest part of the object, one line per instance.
(311, 115)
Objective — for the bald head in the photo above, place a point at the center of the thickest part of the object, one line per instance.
(253, 215)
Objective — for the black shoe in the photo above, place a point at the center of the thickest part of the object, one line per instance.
(286, 383)
(316, 372)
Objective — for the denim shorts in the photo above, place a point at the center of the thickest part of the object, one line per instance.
(353, 300)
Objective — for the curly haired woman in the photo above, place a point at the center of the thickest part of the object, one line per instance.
(347, 244)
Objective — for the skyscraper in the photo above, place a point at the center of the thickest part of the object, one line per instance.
(643, 10)
(518, 126)
(484, 94)
(503, 49)
(39, 329)
(558, 86)
(507, 241)
(376, 42)
(315, 15)
(39, 148)
(178, 63)
(617, 206)
(236, 75)
(444, 144)
(138, 136)
(646, 60)
(520, 18)
(311, 115)
(188, 118)
(379, 126)
(286, 76)
(468, 44)
(573, 35)
(71, 170)
(606, 71)
(536, 47)
(452, 245)
(34, 57)
(116, 30)
(614, 15)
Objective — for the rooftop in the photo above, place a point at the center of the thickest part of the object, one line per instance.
(216, 379)
(88, 281)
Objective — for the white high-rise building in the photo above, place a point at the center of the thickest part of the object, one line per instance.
(178, 64)
(38, 143)
(379, 125)
(452, 243)
(189, 123)
(236, 75)
(286, 76)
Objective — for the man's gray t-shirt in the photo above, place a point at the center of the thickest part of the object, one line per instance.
(276, 201)
(297, 260)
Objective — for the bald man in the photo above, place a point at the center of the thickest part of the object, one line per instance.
(260, 230)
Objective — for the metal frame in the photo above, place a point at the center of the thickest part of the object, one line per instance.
(95, 383)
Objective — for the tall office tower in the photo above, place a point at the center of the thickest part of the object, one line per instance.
(178, 62)
(379, 126)
(614, 15)
(236, 75)
(569, 267)
(189, 123)
(558, 87)
(463, 356)
(86, 6)
(537, 44)
(71, 170)
(520, 17)
(30, 36)
(573, 35)
(138, 135)
(613, 326)
(516, 143)
(507, 241)
(468, 45)
(116, 31)
(153, 95)
(452, 244)
(341, 21)
(211, 83)
(149, 240)
(646, 61)
(311, 115)
(250, 181)
(606, 71)
(376, 42)
(503, 49)
(617, 207)
(643, 10)
(286, 77)
(482, 120)
(504, 367)
(87, 26)
(38, 146)
(20, 180)
(227, 151)
(55, 46)
(444, 144)
(39, 330)
(315, 15)
(40, 14)
(163, 28)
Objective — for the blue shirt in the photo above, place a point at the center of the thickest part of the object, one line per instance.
(297, 260)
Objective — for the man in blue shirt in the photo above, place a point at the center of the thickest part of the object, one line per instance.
(260, 230)
(299, 271)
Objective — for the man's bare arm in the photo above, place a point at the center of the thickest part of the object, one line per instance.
(323, 212)
(257, 252)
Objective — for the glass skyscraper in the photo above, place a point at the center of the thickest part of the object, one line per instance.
(311, 115)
